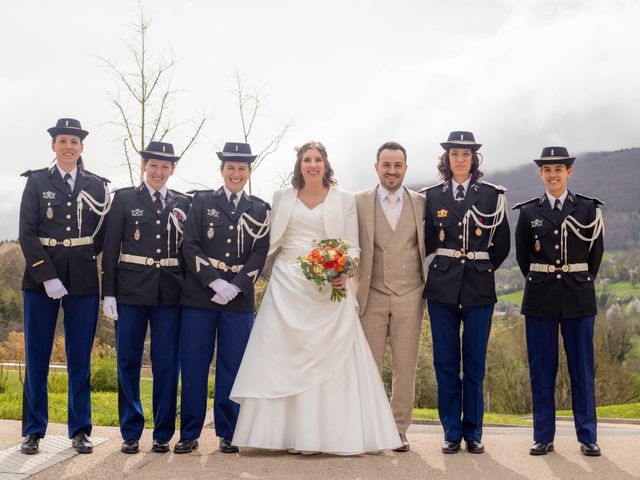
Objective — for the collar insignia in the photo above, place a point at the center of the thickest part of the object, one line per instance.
(443, 213)
(137, 212)
(536, 223)
(212, 212)
(475, 187)
(49, 195)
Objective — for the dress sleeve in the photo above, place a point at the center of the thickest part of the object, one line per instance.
(351, 224)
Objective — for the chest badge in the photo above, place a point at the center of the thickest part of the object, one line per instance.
(137, 212)
(210, 231)
(212, 212)
(536, 223)
(49, 195)
(441, 235)
(49, 211)
(137, 234)
(537, 245)
(443, 213)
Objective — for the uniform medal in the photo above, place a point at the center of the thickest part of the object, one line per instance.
(537, 245)
(136, 234)
(478, 232)
(441, 235)
(49, 211)
(210, 231)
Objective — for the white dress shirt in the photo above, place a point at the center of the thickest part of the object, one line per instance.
(163, 193)
(73, 173)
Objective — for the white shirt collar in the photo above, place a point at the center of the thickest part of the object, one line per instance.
(465, 185)
(163, 191)
(228, 193)
(552, 199)
(73, 173)
(383, 192)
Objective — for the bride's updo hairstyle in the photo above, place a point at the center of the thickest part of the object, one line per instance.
(297, 181)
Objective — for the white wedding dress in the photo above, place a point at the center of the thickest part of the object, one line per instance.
(308, 380)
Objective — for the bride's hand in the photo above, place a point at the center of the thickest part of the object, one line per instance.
(340, 283)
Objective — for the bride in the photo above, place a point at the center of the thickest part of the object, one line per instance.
(308, 381)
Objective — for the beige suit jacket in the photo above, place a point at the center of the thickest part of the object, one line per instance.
(365, 203)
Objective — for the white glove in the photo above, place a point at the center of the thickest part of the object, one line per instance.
(230, 292)
(218, 285)
(223, 289)
(110, 308)
(54, 288)
(218, 299)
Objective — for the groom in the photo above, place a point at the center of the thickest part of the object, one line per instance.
(390, 276)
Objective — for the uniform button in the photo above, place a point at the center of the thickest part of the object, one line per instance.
(211, 224)
(555, 232)
(459, 224)
(588, 279)
(157, 265)
(460, 237)
(461, 261)
(489, 270)
(530, 278)
(158, 251)
(227, 254)
(68, 216)
(157, 222)
(556, 247)
(158, 236)
(68, 229)
(228, 240)
(230, 227)
(558, 276)
(557, 262)
(68, 204)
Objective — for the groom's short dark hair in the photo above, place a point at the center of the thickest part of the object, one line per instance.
(391, 146)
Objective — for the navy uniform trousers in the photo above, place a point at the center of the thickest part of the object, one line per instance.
(542, 350)
(131, 331)
(40, 318)
(460, 401)
(198, 332)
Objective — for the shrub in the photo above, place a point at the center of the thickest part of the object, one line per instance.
(104, 375)
(57, 383)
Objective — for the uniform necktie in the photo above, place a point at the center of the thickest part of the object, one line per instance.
(556, 205)
(67, 178)
(460, 193)
(392, 216)
(158, 201)
(232, 202)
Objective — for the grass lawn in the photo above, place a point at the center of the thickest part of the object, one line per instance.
(104, 405)
(499, 418)
(513, 297)
(635, 351)
(630, 410)
(624, 289)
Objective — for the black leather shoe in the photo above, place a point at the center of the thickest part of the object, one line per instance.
(451, 446)
(226, 447)
(590, 449)
(30, 445)
(405, 444)
(474, 446)
(160, 446)
(81, 443)
(185, 446)
(541, 448)
(130, 446)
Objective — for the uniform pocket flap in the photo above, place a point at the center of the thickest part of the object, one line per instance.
(582, 277)
(440, 264)
(442, 221)
(483, 266)
(132, 267)
(536, 277)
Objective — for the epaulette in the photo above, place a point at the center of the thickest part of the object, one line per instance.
(424, 189)
(105, 180)
(122, 189)
(522, 204)
(194, 191)
(500, 188)
(593, 199)
(253, 197)
(180, 194)
(29, 172)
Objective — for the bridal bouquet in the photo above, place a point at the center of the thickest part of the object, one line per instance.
(328, 260)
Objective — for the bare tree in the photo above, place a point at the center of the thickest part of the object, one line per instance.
(250, 102)
(143, 97)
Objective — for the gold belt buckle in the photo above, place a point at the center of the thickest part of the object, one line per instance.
(457, 254)
(471, 255)
(551, 268)
(66, 242)
(53, 242)
(149, 261)
(234, 268)
(222, 265)
(163, 262)
(565, 268)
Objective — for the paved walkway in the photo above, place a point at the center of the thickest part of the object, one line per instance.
(506, 458)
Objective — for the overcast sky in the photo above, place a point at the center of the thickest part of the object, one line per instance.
(352, 74)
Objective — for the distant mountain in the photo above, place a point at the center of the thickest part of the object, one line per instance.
(613, 177)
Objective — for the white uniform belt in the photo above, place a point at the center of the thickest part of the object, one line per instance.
(67, 242)
(224, 267)
(140, 260)
(449, 252)
(570, 267)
